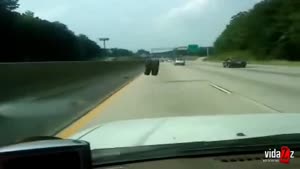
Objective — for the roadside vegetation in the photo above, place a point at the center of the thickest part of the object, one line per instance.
(116, 52)
(270, 31)
(26, 38)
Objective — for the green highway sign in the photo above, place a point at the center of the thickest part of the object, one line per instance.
(193, 48)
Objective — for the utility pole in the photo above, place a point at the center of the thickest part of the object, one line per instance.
(104, 41)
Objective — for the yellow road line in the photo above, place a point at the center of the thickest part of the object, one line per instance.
(83, 121)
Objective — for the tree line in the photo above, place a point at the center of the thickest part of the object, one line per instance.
(26, 38)
(271, 30)
(117, 52)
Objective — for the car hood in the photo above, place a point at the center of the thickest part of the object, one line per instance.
(188, 129)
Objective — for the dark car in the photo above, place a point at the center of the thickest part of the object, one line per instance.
(229, 63)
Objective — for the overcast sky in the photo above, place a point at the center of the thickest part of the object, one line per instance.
(135, 24)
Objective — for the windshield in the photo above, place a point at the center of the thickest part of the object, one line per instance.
(126, 73)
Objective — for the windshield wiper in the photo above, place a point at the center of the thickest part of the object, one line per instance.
(215, 148)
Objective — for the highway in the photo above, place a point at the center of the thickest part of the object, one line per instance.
(199, 88)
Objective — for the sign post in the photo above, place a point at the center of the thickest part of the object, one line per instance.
(104, 41)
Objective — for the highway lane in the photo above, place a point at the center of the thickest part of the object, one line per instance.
(274, 86)
(200, 89)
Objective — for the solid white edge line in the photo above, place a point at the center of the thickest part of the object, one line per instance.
(220, 88)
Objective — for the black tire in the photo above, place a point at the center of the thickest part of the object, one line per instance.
(148, 67)
(155, 68)
(154, 73)
(225, 65)
(147, 71)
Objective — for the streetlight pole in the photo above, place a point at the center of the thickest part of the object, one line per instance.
(104, 41)
(104, 44)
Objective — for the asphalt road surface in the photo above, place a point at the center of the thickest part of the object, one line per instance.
(200, 88)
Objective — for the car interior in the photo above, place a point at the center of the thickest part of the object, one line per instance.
(77, 155)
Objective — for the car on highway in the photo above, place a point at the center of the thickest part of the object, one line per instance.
(179, 61)
(237, 141)
(230, 63)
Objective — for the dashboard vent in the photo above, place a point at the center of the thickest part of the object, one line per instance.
(232, 159)
(239, 159)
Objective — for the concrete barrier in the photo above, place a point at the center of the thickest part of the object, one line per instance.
(40, 99)
(19, 80)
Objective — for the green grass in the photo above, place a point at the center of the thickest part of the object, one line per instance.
(243, 55)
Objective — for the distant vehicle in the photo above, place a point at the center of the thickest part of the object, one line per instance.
(229, 63)
(179, 62)
(152, 66)
(163, 59)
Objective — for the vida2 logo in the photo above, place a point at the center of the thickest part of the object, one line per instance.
(283, 156)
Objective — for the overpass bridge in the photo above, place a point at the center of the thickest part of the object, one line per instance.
(168, 49)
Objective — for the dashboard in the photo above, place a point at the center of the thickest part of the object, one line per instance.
(78, 155)
(254, 161)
